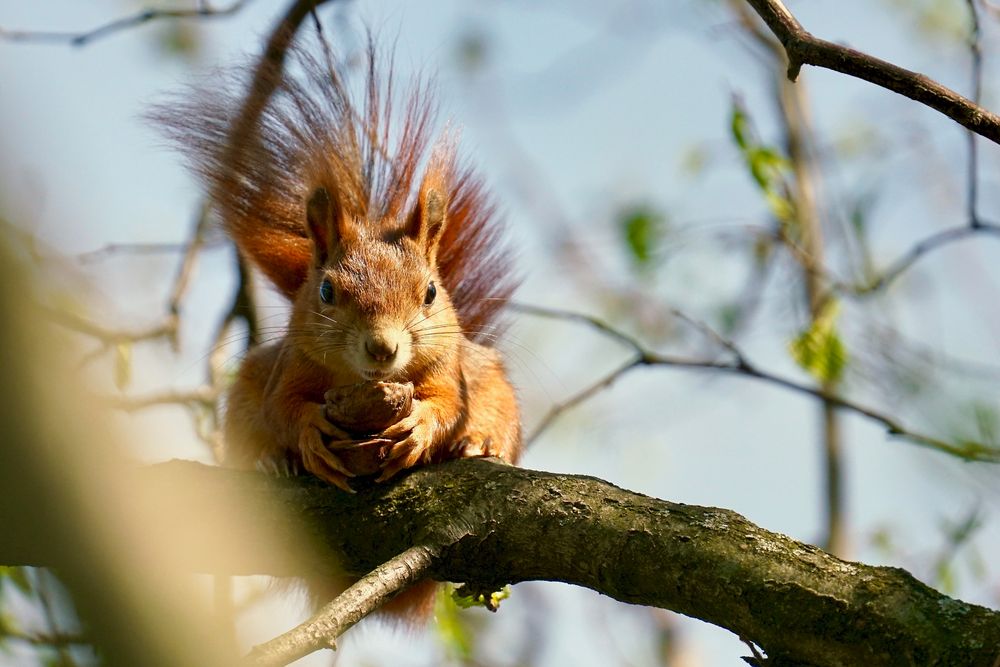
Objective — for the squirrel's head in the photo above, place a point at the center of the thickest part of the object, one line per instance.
(373, 303)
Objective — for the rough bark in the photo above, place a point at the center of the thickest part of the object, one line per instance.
(497, 525)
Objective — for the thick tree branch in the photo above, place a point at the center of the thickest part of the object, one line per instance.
(802, 48)
(498, 525)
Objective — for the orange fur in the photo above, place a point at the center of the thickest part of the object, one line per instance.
(324, 199)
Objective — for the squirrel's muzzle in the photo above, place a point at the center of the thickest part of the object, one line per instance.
(381, 348)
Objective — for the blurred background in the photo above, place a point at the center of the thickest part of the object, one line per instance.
(658, 173)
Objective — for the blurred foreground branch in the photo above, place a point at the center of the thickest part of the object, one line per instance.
(495, 525)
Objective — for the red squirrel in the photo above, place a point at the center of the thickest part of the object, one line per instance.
(391, 278)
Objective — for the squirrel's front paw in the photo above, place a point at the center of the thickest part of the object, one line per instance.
(317, 457)
(413, 448)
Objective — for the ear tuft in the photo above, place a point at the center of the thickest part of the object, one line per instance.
(428, 220)
(433, 211)
(323, 220)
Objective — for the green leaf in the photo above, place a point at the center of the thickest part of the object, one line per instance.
(179, 38)
(819, 349)
(642, 229)
(694, 160)
(17, 576)
(473, 50)
(491, 600)
(766, 164)
(123, 365)
(450, 629)
(738, 126)
(781, 207)
(945, 577)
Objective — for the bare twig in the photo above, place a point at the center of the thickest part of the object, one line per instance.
(111, 336)
(590, 320)
(910, 257)
(604, 382)
(368, 594)
(45, 639)
(204, 395)
(966, 450)
(139, 18)
(802, 48)
(975, 225)
(976, 55)
(129, 248)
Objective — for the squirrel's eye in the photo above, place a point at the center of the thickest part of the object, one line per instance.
(326, 292)
(431, 293)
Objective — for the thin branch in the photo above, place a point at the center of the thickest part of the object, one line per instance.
(975, 224)
(570, 316)
(910, 257)
(361, 599)
(107, 336)
(802, 48)
(604, 382)
(966, 450)
(976, 55)
(45, 639)
(110, 249)
(204, 395)
(139, 18)
(186, 269)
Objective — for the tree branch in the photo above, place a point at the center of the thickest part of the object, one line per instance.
(139, 18)
(968, 450)
(365, 596)
(497, 525)
(802, 48)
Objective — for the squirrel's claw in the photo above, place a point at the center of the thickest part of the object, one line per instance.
(329, 429)
(320, 461)
(278, 467)
(404, 454)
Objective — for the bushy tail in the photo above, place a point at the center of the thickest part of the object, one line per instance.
(312, 128)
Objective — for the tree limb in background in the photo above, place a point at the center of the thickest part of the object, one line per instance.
(497, 525)
(139, 18)
(802, 48)
(739, 365)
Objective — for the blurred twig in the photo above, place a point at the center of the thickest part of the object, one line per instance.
(644, 357)
(144, 16)
(975, 225)
(170, 325)
(204, 395)
(129, 248)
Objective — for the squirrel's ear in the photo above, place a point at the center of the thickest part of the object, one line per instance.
(428, 220)
(324, 220)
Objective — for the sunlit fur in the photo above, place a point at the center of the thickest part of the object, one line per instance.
(380, 284)
(400, 212)
(314, 131)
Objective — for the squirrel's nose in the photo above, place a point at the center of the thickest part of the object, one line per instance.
(381, 349)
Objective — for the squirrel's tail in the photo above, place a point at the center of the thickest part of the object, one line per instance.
(260, 155)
